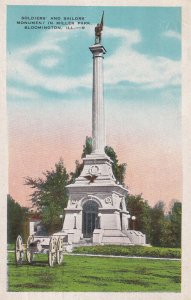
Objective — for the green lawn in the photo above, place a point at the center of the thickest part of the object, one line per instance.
(93, 274)
(10, 246)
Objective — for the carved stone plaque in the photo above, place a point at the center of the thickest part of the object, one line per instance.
(111, 172)
(94, 170)
(108, 200)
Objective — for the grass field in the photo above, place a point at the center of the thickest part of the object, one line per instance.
(95, 274)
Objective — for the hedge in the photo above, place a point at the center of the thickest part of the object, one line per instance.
(142, 251)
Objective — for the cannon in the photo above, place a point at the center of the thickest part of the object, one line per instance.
(53, 246)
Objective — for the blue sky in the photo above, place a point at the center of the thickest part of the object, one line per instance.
(153, 42)
(49, 75)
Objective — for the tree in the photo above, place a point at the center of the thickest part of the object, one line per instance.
(157, 224)
(139, 208)
(118, 169)
(166, 228)
(50, 195)
(15, 219)
(87, 149)
(166, 238)
(175, 219)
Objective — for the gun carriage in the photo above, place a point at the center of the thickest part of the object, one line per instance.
(53, 246)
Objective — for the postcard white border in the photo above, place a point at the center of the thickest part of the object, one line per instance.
(186, 148)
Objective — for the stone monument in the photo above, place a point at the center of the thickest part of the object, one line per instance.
(96, 209)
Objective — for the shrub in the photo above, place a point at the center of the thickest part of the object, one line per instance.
(136, 251)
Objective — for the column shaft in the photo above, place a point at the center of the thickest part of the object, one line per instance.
(98, 122)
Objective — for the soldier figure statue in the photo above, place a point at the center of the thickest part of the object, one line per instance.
(98, 30)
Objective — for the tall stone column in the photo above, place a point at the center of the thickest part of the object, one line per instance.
(98, 119)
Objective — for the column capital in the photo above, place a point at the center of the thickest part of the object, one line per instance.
(97, 48)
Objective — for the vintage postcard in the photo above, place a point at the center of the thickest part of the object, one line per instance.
(95, 149)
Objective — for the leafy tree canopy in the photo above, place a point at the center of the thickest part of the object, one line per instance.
(175, 217)
(50, 195)
(157, 223)
(139, 208)
(15, 219)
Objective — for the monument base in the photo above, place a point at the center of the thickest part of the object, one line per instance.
(115, 237)
(96, 209)
(104, 237)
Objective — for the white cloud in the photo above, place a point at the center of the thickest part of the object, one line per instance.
(14, 92)
(125, 64)
(129, 37)
(129, 65)
(172, 34)
(23, 72)
(20, 69)
(49, 62)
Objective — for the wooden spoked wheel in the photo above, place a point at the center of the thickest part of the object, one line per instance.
(60, 251)
(29, 253)
(19, 250)
(52, 251)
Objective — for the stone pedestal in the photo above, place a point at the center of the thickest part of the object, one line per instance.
(97, 184)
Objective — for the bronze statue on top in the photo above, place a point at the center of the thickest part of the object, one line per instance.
(98, 30)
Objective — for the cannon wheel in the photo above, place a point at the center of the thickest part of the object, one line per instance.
(19, 250)
(60, 250)
(29, 254)
(52, 251)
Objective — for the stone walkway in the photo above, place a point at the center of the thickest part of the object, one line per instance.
(121, 256)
